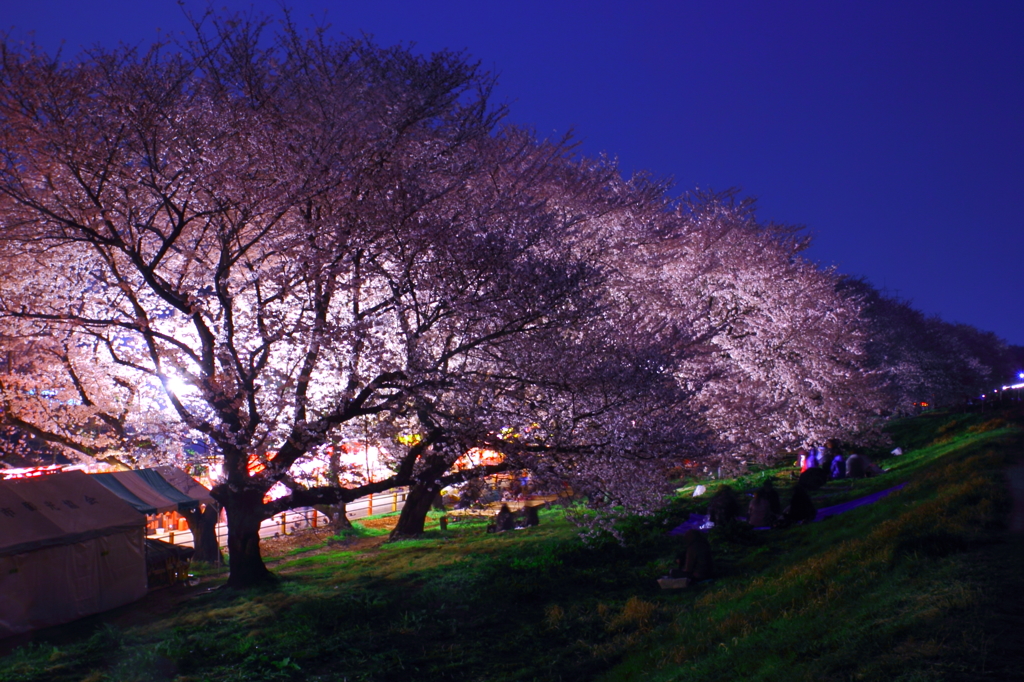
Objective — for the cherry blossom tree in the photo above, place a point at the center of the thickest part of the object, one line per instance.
(284, 242)
(301, 241)
(781, 356)
(65, 392)
(594, 383)
(926, 360)
(766, 345)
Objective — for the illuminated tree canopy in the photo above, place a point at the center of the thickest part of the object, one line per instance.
(282, 242)
(296, 244)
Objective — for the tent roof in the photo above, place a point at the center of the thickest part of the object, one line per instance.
(116, 485)
(186, 484)
(59, 509)
(153, 491)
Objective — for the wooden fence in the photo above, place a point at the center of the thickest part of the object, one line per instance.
(298, 519)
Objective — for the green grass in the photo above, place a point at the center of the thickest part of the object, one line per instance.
(920, 586)
(915, 587)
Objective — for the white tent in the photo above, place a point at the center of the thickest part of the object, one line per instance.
(68, 548)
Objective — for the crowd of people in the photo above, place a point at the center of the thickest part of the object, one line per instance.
(817, 465)
(830, 459)
(694, 562)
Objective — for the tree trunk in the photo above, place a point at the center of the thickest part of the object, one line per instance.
(204, 534)
(338, 515)
(244, 517)
(414, 513)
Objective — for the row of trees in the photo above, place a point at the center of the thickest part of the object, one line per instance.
(926, 361)
(277, 243)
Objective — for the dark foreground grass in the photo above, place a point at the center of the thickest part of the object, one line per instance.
(925, 585)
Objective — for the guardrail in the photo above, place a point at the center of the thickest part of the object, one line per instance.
(299, 519)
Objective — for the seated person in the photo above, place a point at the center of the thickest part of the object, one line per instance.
(801, 508)
(760, 512)
(856, 466)
(724, 506)
(826, 452)
(695, 564)
(528, 516)
(838, 467)
(504, 520)
(769, 492)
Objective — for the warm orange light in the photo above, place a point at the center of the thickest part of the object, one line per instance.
(255, 464)
(478, 457)
(32, 472)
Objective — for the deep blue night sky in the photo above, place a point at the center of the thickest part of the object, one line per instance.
(893, 130)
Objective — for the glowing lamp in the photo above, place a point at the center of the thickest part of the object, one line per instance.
(176, 385)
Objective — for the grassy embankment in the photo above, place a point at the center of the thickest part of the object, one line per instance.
(924, 585)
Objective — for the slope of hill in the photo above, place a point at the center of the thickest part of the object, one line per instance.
(922, 585)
